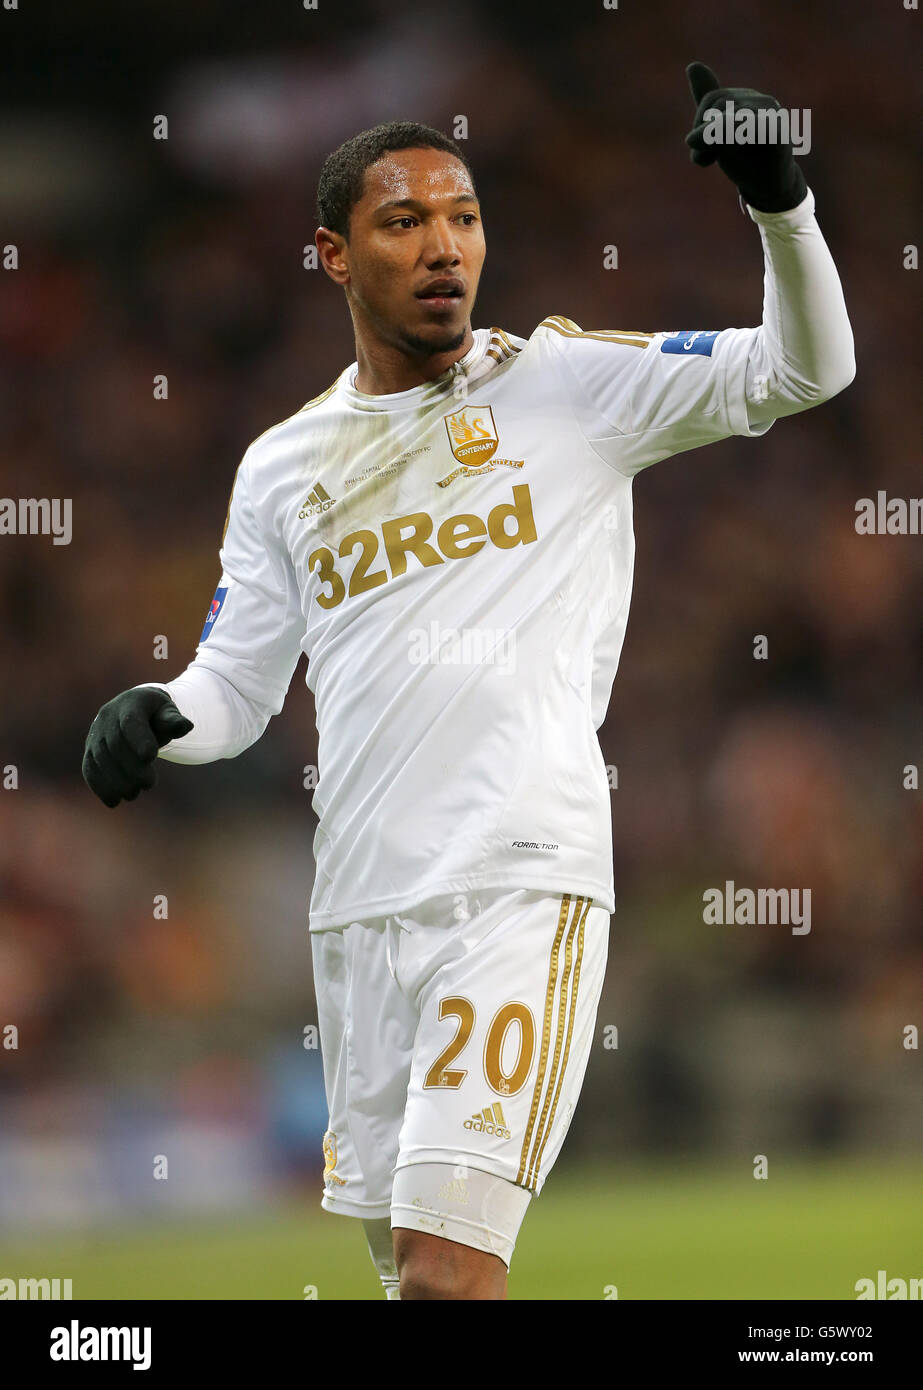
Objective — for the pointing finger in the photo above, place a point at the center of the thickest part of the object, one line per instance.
(702, 80)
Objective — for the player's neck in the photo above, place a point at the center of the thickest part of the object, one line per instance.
(384, 369)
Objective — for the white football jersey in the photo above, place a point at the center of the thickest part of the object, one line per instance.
(455, 561)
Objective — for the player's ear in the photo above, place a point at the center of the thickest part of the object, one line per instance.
(333, 253)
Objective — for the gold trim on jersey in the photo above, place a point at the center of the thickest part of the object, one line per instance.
(499, 347)
(508, 342)
(535, 1137)
(626, 336)
(316, 400)
(227, 515)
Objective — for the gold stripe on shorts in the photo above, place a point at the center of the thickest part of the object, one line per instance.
(540, 1146)
(546, 1034)
(527, 1144)
(563, 1031)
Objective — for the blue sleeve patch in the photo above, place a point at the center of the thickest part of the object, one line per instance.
(690, 340)
(212, 614)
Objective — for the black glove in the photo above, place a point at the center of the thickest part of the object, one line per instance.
(766, 175)
(120, 757)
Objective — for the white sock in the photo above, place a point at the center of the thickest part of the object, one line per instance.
(381, 1249)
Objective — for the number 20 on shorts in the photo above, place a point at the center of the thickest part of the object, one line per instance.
(504, 1083)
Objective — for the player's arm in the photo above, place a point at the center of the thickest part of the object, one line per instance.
(803, 353)
(239, 678)
(642, 397)
(250, 642)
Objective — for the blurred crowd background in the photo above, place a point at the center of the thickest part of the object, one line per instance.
(186, 1036)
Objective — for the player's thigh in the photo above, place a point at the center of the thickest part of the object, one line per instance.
(367, 1030)
(475, 1214)
(505, 1031)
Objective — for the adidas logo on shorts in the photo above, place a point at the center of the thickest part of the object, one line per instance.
(319, 500)
(489, 1121)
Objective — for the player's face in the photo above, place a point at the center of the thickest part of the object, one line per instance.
(417, 224)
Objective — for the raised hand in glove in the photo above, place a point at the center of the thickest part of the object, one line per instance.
(766, 175)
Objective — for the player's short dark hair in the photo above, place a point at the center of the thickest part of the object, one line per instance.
(342, 178)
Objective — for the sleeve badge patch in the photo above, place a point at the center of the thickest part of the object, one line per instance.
(212, 614)
(689, 340)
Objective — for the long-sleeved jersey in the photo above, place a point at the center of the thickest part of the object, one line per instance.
(455, 560)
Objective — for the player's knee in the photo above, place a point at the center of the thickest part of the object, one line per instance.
(420, 1279)
(433, 1268)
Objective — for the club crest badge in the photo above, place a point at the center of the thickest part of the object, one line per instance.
(474, 440)
(330, 1159)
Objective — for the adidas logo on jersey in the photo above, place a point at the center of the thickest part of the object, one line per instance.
(489, 1121)
(319, 500)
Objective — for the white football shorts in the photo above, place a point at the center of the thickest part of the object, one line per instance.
(457, 1033)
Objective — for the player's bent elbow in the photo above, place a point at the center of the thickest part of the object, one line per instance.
(834, 378)
(212, 750)
(838, 377)
(250, 730)
(839, 367)
(251, 735)
(225, 733)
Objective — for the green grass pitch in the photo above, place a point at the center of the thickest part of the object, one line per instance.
(677, 1232)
